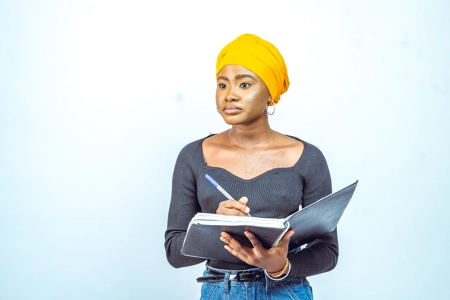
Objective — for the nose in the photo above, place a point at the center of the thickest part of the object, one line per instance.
(231, 95)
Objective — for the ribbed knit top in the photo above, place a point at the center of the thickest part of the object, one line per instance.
(276, 193)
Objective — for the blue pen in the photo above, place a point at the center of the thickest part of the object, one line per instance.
(214, 183)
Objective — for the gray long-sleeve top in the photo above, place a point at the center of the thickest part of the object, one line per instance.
(276, 193)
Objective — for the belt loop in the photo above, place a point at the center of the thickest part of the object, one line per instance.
(226, 282)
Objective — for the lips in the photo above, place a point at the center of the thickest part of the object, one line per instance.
(232, 110)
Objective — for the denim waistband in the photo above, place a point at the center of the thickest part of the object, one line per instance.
(220, 275)
(233, 272)
(232, 277)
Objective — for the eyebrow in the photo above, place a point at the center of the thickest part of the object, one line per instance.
(240, 76)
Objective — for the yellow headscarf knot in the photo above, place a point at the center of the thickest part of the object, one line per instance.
(260, 57)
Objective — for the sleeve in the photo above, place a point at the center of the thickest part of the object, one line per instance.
(183, 206)
(321, 255)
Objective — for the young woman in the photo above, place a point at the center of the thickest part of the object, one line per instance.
(271, 174)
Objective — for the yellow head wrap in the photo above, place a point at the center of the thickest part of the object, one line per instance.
(260, 57)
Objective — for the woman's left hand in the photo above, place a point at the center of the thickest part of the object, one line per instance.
(272, 260)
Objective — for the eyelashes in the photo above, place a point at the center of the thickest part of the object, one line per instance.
(244, 85)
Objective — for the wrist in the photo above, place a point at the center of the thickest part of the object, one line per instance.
(282, 276)
(279, 273)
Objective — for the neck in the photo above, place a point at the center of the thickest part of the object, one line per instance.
(246, 137)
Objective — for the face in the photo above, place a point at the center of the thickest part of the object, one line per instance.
(241, 95)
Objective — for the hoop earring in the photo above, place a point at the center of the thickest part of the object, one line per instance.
(267, 108)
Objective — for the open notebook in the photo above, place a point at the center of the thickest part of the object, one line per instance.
(321, 217)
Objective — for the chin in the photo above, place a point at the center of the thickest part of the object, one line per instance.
(229, 122)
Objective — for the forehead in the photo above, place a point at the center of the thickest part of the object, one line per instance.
(231, 71)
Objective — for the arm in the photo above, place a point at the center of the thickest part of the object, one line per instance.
(183, 206)
(321, 255)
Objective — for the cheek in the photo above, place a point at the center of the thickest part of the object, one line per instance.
(258, 99)
(218, 97)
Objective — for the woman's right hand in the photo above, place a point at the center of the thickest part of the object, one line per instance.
(233, 207)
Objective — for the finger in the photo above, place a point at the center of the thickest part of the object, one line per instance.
(244, 208)
(243, 200)
(262, 257)
(254, 241)
(284, 242)
(230, 207)
(234, 246)
(233, 207)
(231, 241)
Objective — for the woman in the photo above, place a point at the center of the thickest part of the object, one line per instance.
(271, 174)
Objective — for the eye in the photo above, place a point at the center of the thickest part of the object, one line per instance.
(221, 86)
(245, 85)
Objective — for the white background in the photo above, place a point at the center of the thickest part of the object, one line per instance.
(98, 97)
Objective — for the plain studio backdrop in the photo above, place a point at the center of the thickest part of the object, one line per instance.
(98, 97)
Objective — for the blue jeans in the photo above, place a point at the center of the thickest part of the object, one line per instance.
(263, 289)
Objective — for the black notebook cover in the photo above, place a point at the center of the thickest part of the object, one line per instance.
(321, 217)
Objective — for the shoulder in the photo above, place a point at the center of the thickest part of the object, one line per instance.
(312, 159)
(192, 152)
(313, 152)
(192, 146)
(313, 169)
(310, 151)
(215, 140)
